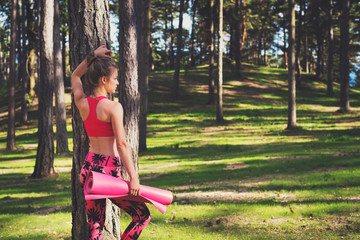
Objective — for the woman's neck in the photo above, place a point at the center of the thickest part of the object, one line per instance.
(99, 92)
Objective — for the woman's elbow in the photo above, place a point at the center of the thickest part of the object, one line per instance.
(122, 146)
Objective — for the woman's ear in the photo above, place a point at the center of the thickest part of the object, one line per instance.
(103, 80)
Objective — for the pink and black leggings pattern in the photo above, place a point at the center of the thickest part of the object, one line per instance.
(96, 208)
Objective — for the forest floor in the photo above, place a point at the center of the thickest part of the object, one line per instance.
(248, 178)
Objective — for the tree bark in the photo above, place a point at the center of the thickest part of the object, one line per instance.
(291, 70)
(344, 57)
(144, 74)
(330, 62)
(24, 76)
(44, 166)
(128, 76)
(60, 111)
(192, 37)
(175, 88)
(89, 27)
(319, 40)
(11, 109)
(298, 48)
(219, 108)
(211, 54)
(237, 38)
(306, 61)
(172, 60)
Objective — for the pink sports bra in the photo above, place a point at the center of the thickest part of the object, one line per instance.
(93, 126)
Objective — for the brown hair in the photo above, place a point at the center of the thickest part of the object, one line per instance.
(96, 68)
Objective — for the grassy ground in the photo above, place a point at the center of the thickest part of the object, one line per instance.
(246, 179)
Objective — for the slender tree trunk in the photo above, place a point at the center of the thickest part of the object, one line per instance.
(144, 74)
(24, 77)
(319, 39)
(166, 56)
(219, 108)
(237, 38)
(243, 25)
(44, 166)
(212, 55)
(60, 111)
(192, 38)
(175, 88)
(128, 65)
(330, 63)
(11, 109)
(306, 61)
(298, 48)
(292, 81)
(89, 27)
(172, 59)
(344, 57)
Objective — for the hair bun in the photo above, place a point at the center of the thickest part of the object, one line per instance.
(90, 58)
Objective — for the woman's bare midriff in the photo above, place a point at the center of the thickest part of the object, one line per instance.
(103, 145)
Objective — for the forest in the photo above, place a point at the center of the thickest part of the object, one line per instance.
(247, 110)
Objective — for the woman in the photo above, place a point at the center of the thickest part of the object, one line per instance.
(103, 120)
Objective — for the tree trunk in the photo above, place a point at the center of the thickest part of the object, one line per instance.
(219, 108)
(212, 54)
(175, 88)
(63, 54)
(237, 38)
(319, 40)
(31, 32)
(292, 84)
(128, 76)
(172, 60)
(243, 25)
(166, 53)
(60, 111)
(344, 57)
(330, 63)
(298, 48)
(192, 38)
(44, 166)
(144, 74)
(24, 76)
(306, 61)
(89, 27)
(11, 116)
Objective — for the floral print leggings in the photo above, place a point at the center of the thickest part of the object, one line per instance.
(96, 208)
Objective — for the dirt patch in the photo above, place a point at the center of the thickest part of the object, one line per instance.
(236, 165)
(46, 211)
(233, 196)
(150, 176)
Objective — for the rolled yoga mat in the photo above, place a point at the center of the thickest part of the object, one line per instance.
(98, 186)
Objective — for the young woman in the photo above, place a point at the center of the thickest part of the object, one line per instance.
(103, 120)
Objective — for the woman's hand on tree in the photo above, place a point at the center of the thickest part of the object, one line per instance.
(102, 51)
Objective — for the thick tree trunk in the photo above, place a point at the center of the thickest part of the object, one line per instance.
(128, 76)
(344, 57)
(89, 27)
(330, 62)
(24, 76)
(44, 166)
(176, 81)
(144, 74)
(219, 108)
(212, 55)
(292, 81)
(60, 111)
(11, 109)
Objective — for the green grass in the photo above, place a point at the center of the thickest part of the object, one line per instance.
(246, 179)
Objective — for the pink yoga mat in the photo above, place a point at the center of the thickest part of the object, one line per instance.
(98, 185)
